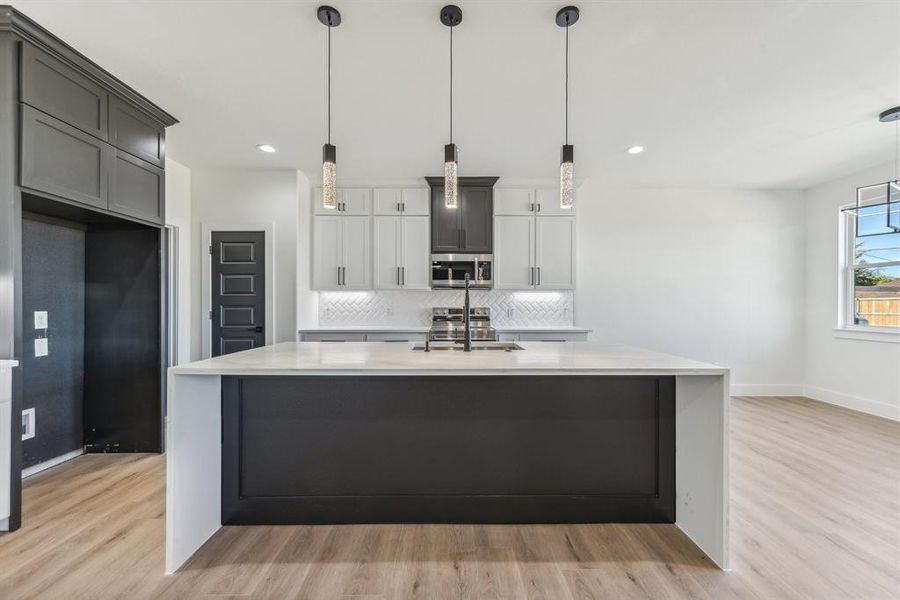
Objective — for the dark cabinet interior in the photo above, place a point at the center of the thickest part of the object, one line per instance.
(99, 280)
(469, 227)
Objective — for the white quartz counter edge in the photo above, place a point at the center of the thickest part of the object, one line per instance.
(389, 329)
(8, 364)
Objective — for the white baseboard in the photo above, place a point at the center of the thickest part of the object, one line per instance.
(51, 463)
(4, 524)
(871, 407)
(766, 389)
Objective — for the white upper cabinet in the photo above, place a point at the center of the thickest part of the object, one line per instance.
(387, 255)
(401, 254)
(402, 201)
(514, 201)
(554, 254)
(350, 201)
(529, 201)
(548, 203)
(341, 259)
(416, 273)
(357, 243)
(328, 253)
(514, 252)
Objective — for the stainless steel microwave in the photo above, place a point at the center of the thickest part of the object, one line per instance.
(448, 271)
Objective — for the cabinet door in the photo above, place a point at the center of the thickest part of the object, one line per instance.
(64, 161)
(555, 253)
(514, 201)
(327, 253)
(416, 201)
(355, 201)
(416, 273)
(477, 217)
(386, 257)
(445, 233)
(60, 90)
(514, 253)
(136, 132)
(137, 188)
(357, 274)
(386, 201)
(548, 203)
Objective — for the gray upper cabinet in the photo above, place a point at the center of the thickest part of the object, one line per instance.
(466, 228)
(136, 188)
(135, 132)
(64, 161)
(61, 91)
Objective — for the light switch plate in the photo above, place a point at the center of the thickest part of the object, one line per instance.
(41, 347)
(28, 424)
(40, 319)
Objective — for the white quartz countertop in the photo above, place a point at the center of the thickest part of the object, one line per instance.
(374, 358)
(7, 364)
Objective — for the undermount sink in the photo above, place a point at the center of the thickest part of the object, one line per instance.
(457, 347)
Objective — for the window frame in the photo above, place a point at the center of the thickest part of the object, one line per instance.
(846, 319)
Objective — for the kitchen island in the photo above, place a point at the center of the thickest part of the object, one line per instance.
(319, 433)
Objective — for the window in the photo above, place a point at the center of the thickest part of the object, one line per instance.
(872, 259)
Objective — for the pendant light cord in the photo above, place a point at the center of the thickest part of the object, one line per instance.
(329, 85)
(567, 83)
(451, 85)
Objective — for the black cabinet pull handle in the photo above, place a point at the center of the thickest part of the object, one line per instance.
(257, 329)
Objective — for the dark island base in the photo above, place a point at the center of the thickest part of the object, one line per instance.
(473, 449)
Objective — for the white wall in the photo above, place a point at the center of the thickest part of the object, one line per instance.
(178, 215)
(715, 275)
(860, 374)
(246, 198)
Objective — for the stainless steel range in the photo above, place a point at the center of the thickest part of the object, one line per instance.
(448, 325)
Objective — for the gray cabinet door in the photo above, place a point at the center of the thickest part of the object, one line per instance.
(64, 161)
(476, 208)
(60, 90)
(135, 132)
(136, 188)
(446, 235)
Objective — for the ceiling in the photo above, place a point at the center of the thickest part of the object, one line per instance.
(750, 94)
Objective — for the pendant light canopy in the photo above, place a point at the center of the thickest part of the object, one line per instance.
(451, 16)
(566, 17)
(329, 17)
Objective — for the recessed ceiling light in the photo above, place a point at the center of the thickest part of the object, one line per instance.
(635, 150)
(266, 148)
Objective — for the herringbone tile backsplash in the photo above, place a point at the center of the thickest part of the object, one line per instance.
(413, 308)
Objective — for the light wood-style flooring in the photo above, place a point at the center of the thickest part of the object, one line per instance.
(815, 514)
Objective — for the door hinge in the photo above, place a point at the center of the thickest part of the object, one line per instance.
(210, 248)
(210, 315)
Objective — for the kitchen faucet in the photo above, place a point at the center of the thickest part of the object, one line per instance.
(467, 342)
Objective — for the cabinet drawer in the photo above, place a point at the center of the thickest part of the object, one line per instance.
(399, 337)
(60, 90)
(136, 188)
(62, 160)
(136, 133)
(334, 337)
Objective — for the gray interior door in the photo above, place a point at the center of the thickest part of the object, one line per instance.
(238, 284)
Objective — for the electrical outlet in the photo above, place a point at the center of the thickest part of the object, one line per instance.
(41, 347)
(40, 319)
(28, 424)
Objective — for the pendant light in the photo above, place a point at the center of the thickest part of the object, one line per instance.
(451, 16)
(329, 17)
(566, 17)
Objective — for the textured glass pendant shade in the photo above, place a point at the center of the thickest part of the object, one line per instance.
(451, 189)
(567, 177)
(329, 176)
